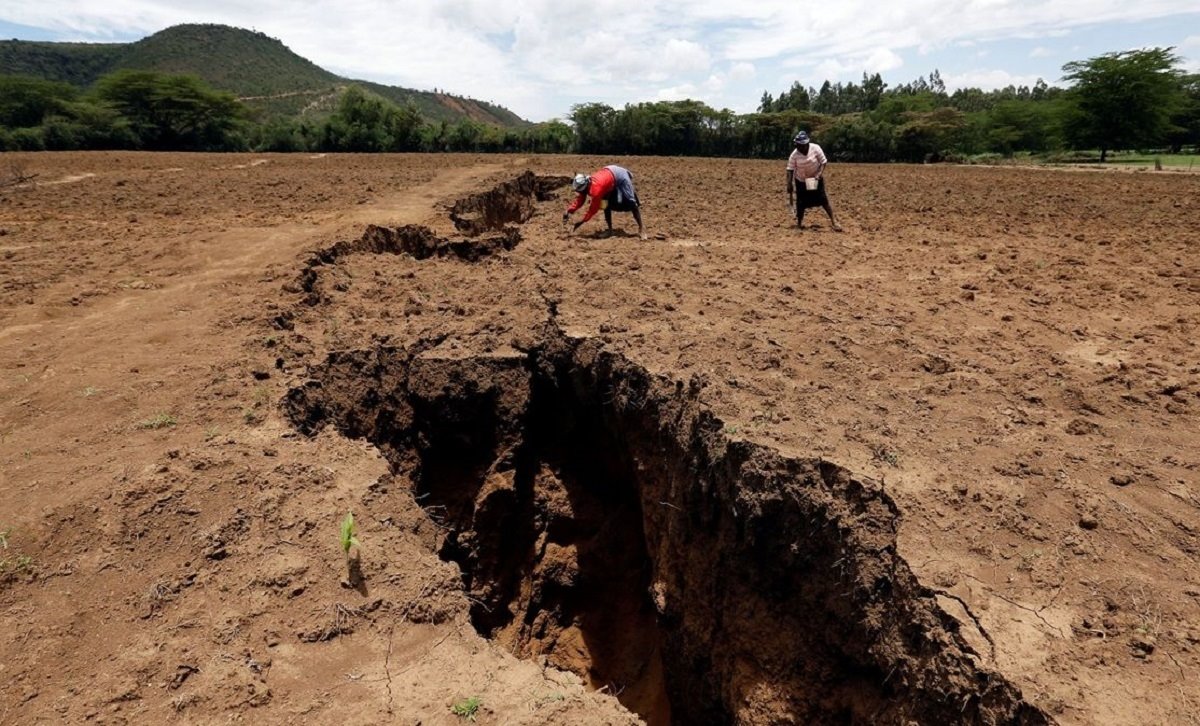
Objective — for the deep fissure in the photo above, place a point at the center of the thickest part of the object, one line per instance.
(510, 202)
(489, 222)
(549, 538)
(602, 519)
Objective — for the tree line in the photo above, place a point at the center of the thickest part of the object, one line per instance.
(1128, 100)
(154, 111)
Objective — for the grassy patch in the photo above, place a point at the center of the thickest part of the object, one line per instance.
(262, 396)
(15, 566)
(12, 565)
(1124, 160)
(1169, 161)
(158, 421)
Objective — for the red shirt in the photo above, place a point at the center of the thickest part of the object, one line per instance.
(603, 183)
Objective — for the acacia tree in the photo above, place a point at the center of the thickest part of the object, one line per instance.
(1187, 116)
(27, 101)
(169, 111)
(1122, 100)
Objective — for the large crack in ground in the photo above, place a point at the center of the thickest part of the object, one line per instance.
(511, 202)
(603, 520)
(488, 221)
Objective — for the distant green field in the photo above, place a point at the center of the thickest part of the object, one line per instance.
(1116, 160)
(1172, 161)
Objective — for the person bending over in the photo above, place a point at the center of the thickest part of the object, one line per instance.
(610, 189)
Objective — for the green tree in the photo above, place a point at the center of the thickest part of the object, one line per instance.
(1122, 100)
(550, 137)
(282, 134)
(929, 136)
(857, 137)
(367, 122)
(171, 112)
(769, 135)
(794, 99)
(1013, 126)
(51, 115)
(25, 102)
(1186, 121)
(872, 91)
(593, 126)
(466, 135)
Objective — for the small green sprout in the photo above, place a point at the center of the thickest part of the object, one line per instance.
(467, 708)
(348, 532)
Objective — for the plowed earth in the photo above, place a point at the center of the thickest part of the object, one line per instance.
(942, 467)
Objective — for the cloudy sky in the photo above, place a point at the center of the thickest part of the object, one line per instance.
(538, 57)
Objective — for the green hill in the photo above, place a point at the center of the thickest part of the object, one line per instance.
(260, 70)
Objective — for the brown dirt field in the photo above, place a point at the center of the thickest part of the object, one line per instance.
(942, 467)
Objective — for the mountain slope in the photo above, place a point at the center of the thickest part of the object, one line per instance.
(259, 69)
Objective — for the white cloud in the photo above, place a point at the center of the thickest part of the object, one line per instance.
(681, 56)
(712, 88)
(742, 72)
(832, 69)
(1190, 49)
(883, 59)
(677, 93)
(855, 26)
(879, 60)
(539, 56)
(1041, 52)
(987, 80)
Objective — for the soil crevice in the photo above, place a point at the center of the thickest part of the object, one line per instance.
(602, 519)
(488, 220)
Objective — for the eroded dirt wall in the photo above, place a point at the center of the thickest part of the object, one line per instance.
(603, 519)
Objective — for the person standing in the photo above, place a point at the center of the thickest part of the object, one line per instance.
(612, 190)
(805, 174)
